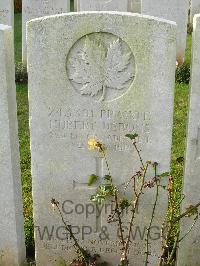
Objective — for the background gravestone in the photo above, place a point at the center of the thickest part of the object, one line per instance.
(7, 12)
(70, 102)
(195, 9)
(189, 251)
(135, 6)
(39, 8)
(76, 3)
(100, 5)
(12, 243)
(174, 10)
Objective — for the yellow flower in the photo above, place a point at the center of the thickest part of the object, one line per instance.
(54, 203)
(94, 144)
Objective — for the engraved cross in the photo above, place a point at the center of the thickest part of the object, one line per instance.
(100, 173)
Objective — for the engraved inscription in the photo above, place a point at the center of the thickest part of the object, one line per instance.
(44, 8)
(76, 126)
(4, 13)
(101, 66)
(98, 246)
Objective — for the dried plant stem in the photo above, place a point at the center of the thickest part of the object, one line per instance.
(165, 240)
(177, 241)
(190, 229)
(117, 209)
(152, 216)
(137, 197)
(186, 213)
(134, 208)
(139, 155)
(171, 255)
(168, 227)
(76, 244)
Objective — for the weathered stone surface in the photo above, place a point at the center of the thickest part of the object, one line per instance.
(69, 57)
(189, 251)
(174, 10)
(135, 6)
(194, 9)
(102, 5)
(12, 246)
(39, 8)
(7, 12)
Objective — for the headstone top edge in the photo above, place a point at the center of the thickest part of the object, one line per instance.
(5, 27)
(110, 13)
(196, 18)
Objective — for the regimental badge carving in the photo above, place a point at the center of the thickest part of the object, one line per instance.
(101, 66)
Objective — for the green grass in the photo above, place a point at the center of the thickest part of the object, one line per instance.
(178, 148)
(188, 50)
(179, 136)
(24, 141)
(18, 38)
(180, 128)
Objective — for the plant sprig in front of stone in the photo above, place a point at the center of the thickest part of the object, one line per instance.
(139, 184)
(109, 190)
(80, 250)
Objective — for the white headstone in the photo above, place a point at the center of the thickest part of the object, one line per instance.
(102, 5)
(70, 102)
(135, 6)
(174, 10)
(39, 8)
(7, 12)
(189, 251)
(75, 5)
(12, 244)
(194, 9)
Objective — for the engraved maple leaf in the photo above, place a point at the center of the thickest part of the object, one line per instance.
(98, 68)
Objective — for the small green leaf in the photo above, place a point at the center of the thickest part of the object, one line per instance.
(164, 174)
(91, 179)
(107, 177)
(124, 204)
(106, 189)
(131, 136)
(61, 262)
(98, 198)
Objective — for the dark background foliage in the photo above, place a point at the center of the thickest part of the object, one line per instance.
(18, 6)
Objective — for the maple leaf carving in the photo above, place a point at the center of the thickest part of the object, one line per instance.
(116, 65)
(98, 68)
